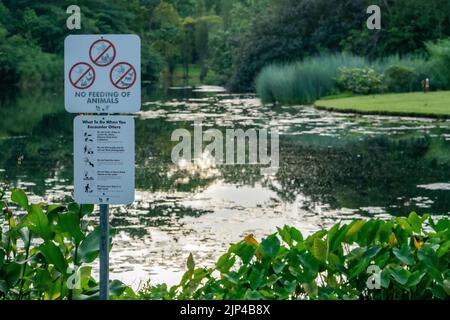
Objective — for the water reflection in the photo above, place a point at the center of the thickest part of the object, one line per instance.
(333, 167)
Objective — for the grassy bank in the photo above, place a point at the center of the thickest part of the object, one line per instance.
(435, 104)
(308, 80)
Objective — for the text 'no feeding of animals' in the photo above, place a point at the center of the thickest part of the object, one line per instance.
(102, 73)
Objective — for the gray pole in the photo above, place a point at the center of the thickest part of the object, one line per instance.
(104, 252)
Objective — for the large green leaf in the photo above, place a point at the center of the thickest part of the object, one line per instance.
(385, 231)
(82, 209)
(117, 288)
(446, 286)
(20, 198)
(256, 278)
(12, 272)
(90, 246)
(415, 278)
(3, 286)
(385, 280)
(309, 262)
(253, 295)
(404, 224)
(271, 245)
(2, 257)
(86, 209)
(37, 222)
(190, 262)
(245, 252)
(42, 280)
(320, 250)
(285, 235)
(440, 225)
(416, 222)
(225, 262)
(428, 256)
(399, 274)
(362, 256)
(444, 249)
(53, 255)
(368, 232)
(335, 238)
(296, 235)
(404, 254)
(69, 223)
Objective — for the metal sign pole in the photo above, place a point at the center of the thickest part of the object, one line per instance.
(104, 252)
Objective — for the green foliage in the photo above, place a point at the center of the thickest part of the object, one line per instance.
(306, 81)
(412, 255)
(360, 80)
(400, 78)
(439, 65)
(235, 39)
(291, 30)
(40, 250)
(32, 37)
(43, 252)
(303, 82)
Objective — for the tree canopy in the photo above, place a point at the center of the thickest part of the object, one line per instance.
(230, 40)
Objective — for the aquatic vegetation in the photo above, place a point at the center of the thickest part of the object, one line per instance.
(46, 254)
(303, 82)
(360, 80)
(403, 258)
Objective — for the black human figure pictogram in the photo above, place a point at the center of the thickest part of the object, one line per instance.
(88, 162)
(88, 188)
(88, 137)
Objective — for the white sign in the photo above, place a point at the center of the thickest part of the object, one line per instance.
(102, 73)
(104, 159)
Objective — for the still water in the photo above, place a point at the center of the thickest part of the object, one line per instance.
(333, 167)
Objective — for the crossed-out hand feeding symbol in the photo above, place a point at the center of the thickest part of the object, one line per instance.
(102, 53)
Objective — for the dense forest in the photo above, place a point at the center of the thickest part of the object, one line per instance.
(229, 41)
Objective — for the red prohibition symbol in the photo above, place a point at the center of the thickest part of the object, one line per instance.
(123, 75)
(102, 52)
(82, 75)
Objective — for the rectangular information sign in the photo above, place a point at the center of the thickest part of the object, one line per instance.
(104, 159)
(102, 73)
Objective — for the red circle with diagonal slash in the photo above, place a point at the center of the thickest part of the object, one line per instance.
(104, 47)
(123, 76)
(75, 81)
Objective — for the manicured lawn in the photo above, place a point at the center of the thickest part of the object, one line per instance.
(417, 103)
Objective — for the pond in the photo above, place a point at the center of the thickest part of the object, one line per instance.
(333, 167)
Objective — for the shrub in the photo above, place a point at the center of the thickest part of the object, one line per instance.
(410, 257)
(360, 80)
(303, 82)
(40, 250)
(45, 251)
(23, 63)
(439, 64)
(400, 78)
